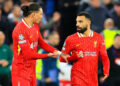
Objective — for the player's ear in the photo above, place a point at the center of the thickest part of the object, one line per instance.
(89, 22)
(32, 14)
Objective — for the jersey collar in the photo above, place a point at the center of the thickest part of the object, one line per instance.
(81, 35)
(26, 23)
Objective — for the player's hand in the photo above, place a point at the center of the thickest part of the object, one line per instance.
(102, 79)
(53, 55)
(79, 54)
(64, 56)
(56, 16)
(57, 53)
(4, 63)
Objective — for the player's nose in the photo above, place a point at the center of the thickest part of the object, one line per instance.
(76, 24)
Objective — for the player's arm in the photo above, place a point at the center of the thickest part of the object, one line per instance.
(42, 44)
(104, 56)
(24, 47)
(66, 50)
(73, 57)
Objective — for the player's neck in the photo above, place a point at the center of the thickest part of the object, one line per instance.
(28, 21)
(116, 47)
(51, 42)
(86, 33)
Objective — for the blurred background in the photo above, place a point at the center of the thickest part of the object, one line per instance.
(58, 22)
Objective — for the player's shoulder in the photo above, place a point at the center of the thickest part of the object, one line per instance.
(19, 28)
(97, 35)
(36, 26)
(70, 37)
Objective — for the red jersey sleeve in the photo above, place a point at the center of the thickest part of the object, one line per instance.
(71, 58)
(21, 41)
(67, 49)
(66, 46)
(42, 44)
(104, 56)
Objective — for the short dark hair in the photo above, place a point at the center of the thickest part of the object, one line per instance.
(27, 10)
(87, 15)
(117, 35)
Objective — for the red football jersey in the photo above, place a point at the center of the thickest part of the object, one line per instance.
(85, 69)
(25, 41)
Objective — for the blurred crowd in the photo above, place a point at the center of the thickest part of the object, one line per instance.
(58, 22)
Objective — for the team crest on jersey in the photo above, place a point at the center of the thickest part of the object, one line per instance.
(95, 43)
(21, 37)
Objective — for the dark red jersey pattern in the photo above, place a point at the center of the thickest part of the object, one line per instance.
(25, 41)
(85, 69)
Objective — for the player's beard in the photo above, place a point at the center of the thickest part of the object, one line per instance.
(81, 30)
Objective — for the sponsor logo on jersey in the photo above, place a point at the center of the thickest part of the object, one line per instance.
(90, 53)
(82, 54)
(21, 42)
(95, 43)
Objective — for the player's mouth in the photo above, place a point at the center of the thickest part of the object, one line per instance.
(78, 28)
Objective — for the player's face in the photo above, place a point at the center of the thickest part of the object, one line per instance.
(117, 9)
(56, 39)
(38, 16)
(95, 3)
(82, 24)
(17, 11)
(117, 41)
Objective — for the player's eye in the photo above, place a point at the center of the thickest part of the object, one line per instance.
(80, 21)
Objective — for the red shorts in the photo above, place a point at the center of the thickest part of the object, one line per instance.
(19, 81)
